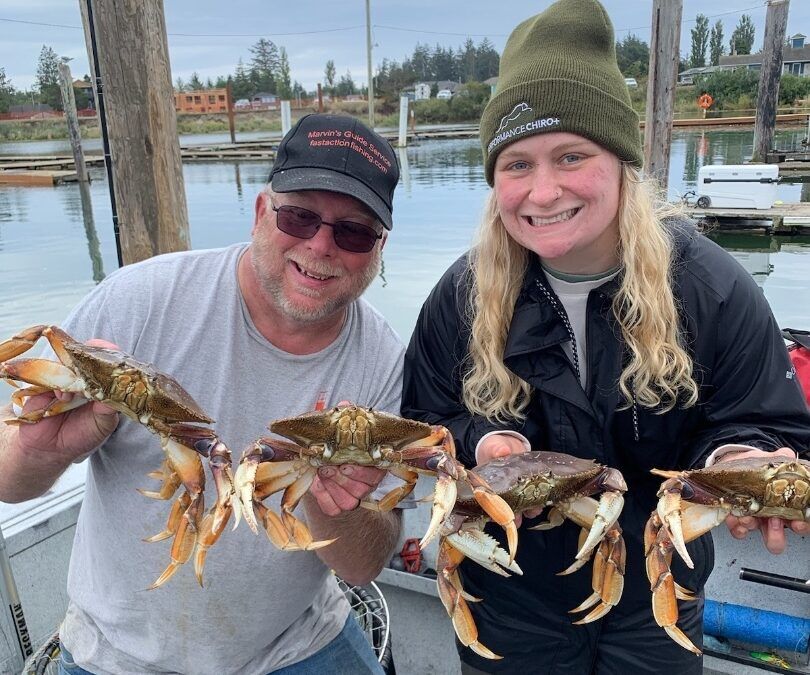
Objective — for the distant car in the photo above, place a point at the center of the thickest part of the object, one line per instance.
(631, 82)
(444, 93)
(242, 103)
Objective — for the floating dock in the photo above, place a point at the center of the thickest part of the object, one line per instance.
(44, 177)
(787, 218)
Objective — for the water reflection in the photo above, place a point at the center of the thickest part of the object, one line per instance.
(93, 246)
(46, 234)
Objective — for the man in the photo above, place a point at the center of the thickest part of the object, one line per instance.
(254, 332)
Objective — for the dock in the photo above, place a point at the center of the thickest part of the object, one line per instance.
(786, 218)
(45, 177)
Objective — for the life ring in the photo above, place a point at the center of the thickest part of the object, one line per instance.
(705, 101)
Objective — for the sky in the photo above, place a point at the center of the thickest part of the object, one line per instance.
(210, 37)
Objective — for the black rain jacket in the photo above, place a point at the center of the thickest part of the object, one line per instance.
(747, 395)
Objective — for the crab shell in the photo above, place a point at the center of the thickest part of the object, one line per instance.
(534, 479)
(691, 503)
(144, 392)
(149, 397)
(351, 435)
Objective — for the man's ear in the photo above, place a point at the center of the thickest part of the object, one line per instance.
(260, 210)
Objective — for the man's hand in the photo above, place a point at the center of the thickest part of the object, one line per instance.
(342, 488)
(33, 456)
(772, 529)
(503, 445)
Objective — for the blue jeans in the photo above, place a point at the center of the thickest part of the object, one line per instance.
(348, 654)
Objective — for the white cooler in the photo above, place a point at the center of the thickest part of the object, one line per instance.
(737, 186)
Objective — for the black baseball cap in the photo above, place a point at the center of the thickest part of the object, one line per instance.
(338, 153)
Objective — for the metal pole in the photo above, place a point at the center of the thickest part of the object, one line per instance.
(370, 72)
(105, 140)
(403, 122)
(776, 580)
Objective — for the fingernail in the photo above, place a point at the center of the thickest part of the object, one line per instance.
(327, 472)
(774, 523)
(347, 469)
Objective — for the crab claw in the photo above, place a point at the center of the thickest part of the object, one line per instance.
(607, 513)
(669, 510)
(444, 498)
(455, 599)
(20, 343)
(243, 484)
(497, 509)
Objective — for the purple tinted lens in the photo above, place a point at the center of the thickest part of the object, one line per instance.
(303, 223)
(297, 222)
(354, 237)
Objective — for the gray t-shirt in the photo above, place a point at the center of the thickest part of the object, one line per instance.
(261, 608)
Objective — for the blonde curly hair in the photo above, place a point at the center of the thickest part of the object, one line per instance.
(658, 373)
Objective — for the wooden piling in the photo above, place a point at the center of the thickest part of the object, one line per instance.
(663, 75)
(72, 119)
(134, 67)
(769, 76)
(229, 105)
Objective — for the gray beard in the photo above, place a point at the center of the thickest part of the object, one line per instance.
(307, 315)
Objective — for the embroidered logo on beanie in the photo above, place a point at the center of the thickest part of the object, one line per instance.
(520, 122)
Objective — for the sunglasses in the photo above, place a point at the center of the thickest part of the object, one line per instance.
(304, 224)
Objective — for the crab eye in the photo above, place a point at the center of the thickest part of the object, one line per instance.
(687, 491)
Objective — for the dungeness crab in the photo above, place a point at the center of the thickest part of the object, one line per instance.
(354, 435)
(149, 397)
(693, 502)
(527, 481)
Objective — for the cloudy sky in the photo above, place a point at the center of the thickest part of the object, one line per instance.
(209, 37)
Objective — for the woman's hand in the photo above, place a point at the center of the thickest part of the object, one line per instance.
(772, 529)
(503, 445)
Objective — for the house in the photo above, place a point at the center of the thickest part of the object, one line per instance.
(693, 75)
(263, 100)
(421, 91)
(201, 101)
(795, 58)
(449, 85)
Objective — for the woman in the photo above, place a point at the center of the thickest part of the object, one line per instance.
(590, 319)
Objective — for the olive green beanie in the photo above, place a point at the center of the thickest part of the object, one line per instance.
(559, 73)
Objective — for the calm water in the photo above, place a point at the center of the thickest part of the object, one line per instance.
(51, 253)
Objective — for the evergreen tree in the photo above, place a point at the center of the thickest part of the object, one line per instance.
(329, 76)
(487, 61)
(716, 48)
(195, 83)
(48, 78)
(209, 83)
(467, 57)
(6, 92)
(179, 85)
(283, 79)
(346, 85)
(742, 39)
(633, 56)
(242, 86)
(420, 62)
(264, 66)
(700, 39)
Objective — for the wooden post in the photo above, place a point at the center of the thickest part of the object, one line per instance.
(72, 119)
(403, 122)
(142, 125)
(663, 74)
(320, 98)
(769, 75)
(229, 106)
(369, 70)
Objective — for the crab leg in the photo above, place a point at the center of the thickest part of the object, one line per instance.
(183, 445)
(454, 598)
(264, 454)
(659, 549)
(607, 579)
(395, 496)
(298, 531)
(20, 343)
(596, 517)
(700, 520)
